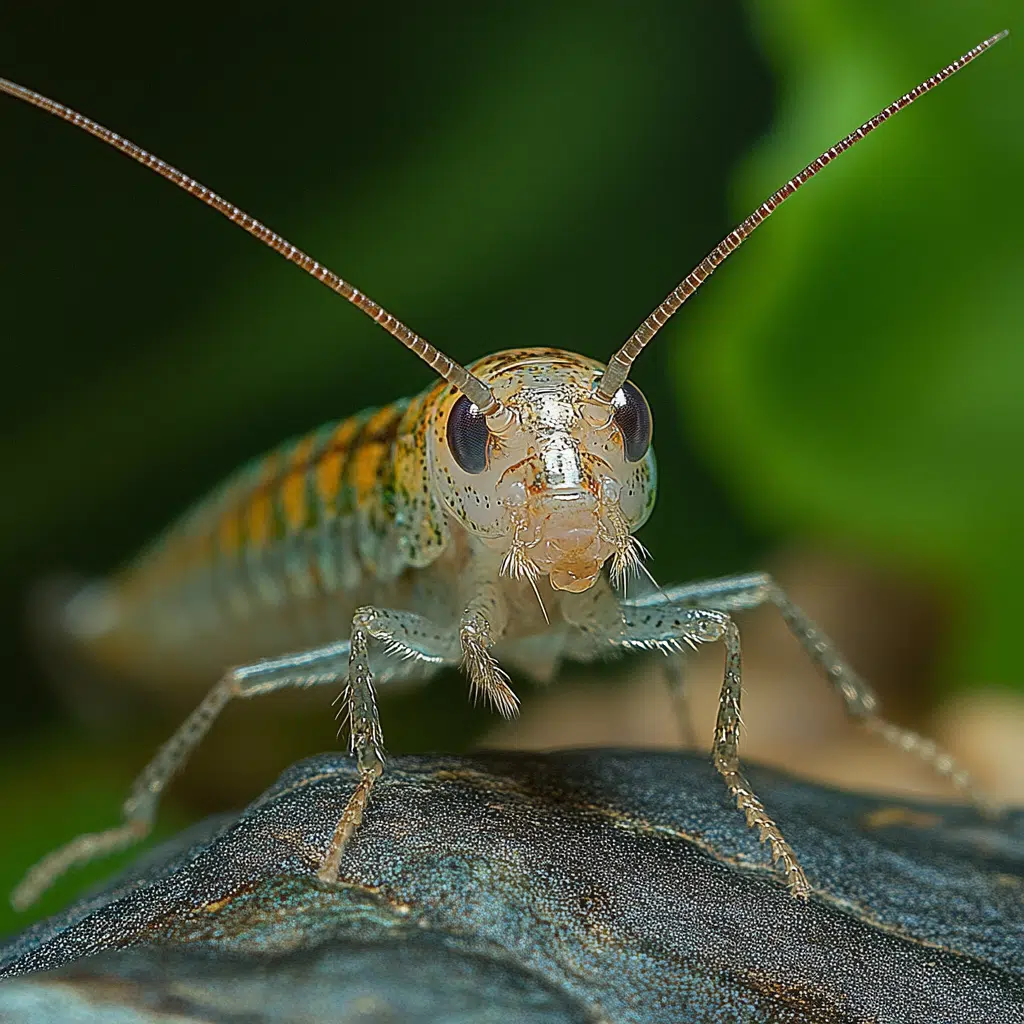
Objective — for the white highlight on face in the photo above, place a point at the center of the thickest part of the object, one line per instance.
(557, 496)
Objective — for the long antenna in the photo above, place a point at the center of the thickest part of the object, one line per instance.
(472, 387)
(620, 363)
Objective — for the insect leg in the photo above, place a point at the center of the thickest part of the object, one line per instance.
(725, 593)
(727, 761)
(732, 593)
(666, 626)
(307, 668)
(482, 625)
(402, 633)
(674, 669)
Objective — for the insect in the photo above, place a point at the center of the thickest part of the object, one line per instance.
(488, 520)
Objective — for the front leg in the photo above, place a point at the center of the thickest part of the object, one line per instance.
(670, 627)
(482, 625)
(401, 633)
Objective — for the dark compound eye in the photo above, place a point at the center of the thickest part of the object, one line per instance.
(467, 436)
(633, 417)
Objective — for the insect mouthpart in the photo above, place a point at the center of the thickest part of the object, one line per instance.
(571, 543)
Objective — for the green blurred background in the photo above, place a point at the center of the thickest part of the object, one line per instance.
(499, 177)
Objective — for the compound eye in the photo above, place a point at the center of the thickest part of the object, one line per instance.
(633, 417)
(468, 435)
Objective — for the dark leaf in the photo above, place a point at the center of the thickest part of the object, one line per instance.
(580, 886)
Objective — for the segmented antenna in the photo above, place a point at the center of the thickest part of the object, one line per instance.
(620, 363)
(472, 387)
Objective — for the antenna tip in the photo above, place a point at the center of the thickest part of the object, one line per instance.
(995, 39)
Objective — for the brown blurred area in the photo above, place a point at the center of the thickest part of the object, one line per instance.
(890, 628)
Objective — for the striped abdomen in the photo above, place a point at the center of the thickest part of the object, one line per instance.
(324, 516)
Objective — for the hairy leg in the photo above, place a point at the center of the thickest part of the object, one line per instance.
(318, 666)
(400, 633)
(481, 626)
(727, 761)
(736, 593)
(307, 668)
(670, 627)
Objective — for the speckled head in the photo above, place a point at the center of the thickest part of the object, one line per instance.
(557, 479)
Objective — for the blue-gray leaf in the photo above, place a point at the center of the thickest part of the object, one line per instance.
(581, 886)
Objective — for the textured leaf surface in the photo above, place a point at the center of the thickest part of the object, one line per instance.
(577, 886)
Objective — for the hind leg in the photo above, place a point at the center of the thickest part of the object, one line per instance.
(736, 593)
(307, 668)
(319, 666)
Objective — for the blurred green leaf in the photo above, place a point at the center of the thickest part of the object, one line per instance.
(857, 371)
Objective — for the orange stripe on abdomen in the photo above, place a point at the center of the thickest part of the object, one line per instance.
(292, 491)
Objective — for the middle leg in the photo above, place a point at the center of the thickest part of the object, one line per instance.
(406, 635)
(667, 626)
(736, 593)
(727, 761)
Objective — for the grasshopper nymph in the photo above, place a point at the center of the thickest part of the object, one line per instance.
(489, 519)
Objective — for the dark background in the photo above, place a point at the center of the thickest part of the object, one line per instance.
(501, 176)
